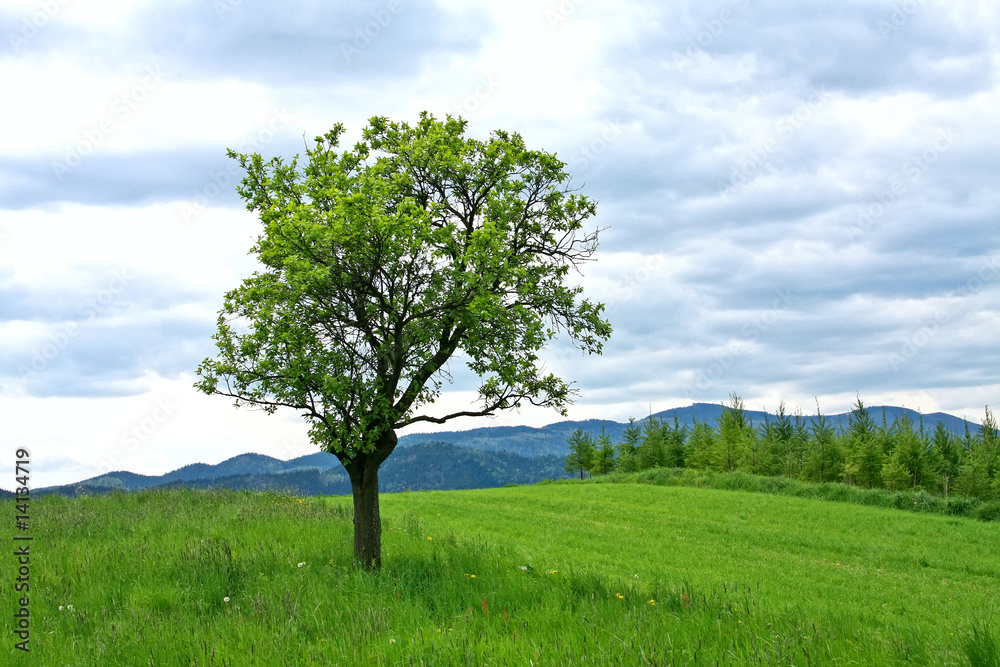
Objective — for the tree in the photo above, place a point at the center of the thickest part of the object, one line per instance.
(776, 440)
(947, 446)
(756, 455)
(825, 460)
(734, 430)
(604, 458)
(798, 446)
(651, 451)
(581, 452)
(908, 466)
(628, 448)
(865, 456)
(700, 446)
(382, 263)
(981, 469)
(676, 437)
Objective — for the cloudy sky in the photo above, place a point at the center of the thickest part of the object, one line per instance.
(802, 198)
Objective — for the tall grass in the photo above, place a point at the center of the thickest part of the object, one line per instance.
(914, 501)
(529, 575)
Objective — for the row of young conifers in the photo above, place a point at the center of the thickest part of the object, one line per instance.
(870, 453)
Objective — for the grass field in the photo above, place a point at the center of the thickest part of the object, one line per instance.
(554, 574)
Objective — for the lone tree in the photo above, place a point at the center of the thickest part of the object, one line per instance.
(382, 263)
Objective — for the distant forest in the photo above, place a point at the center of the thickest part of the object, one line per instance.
(868, 452)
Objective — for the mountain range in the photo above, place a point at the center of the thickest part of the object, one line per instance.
(551, 439)
(477, 458)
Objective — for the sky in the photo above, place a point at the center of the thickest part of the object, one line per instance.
(801, 199)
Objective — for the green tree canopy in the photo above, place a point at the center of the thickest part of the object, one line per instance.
(382, 263)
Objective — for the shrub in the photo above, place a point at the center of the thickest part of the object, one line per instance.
(988, 511)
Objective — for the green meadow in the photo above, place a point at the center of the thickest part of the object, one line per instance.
(550, 574)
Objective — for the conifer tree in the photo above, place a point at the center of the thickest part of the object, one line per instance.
(974, 477)
(825, 460)
(581, 452)
(776, 436)
(864, 456)
(675, 437)
(650, 452)
(700, 446)
(604, 459)
(885, 436)
(734, 430)
(978, 475)
(907, 467)
(949, 450)
(798, 446)
(628, 447)
(755, 454)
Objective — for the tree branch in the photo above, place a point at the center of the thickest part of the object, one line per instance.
(489, 412)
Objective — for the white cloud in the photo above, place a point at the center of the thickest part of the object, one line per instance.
(52, 247)
(160, 430)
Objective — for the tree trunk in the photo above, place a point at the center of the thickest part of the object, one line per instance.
(367, 520)
(363, 471)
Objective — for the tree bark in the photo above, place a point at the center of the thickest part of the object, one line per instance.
(363, 471)
(367, 520)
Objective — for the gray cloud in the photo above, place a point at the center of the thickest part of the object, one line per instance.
(106, 357)
(308, 43)
(855, 47)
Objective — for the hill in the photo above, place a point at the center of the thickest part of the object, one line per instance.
(429, 465)
(551, 440)
(506, 455)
